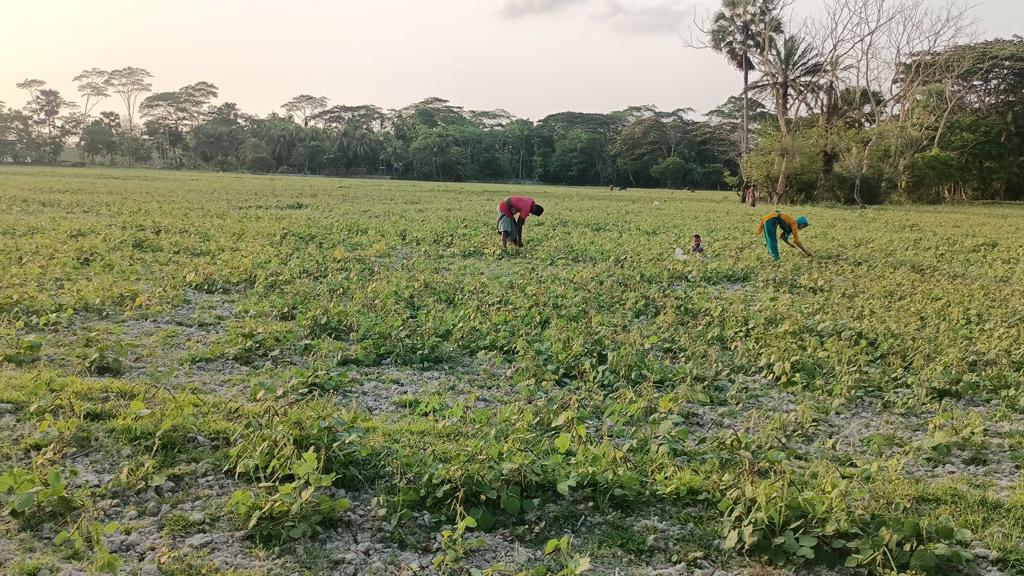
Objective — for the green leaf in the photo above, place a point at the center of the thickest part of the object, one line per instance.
(923, 560)
(732, 539)
(24, 501)
(807, 541)
(107, 563)
(562, 442)
(748, 535)
(562, 418)
(511, 504)
(564, 485)
(551, 546)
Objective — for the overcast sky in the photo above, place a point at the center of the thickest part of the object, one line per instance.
(530, 57)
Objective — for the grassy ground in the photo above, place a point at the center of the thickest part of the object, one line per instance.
(206, 374)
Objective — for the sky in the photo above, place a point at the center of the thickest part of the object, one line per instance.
(530, 57)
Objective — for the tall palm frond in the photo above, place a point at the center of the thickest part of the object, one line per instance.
(740, 31)
(791, 72)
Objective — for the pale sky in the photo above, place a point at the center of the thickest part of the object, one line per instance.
(530, 57)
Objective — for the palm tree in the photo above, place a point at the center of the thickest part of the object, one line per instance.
(740, 30)
(361, 146)
(791, 70)
(250, 151)
(393, 154)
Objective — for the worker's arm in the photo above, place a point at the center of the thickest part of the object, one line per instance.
(796, 240)
(519, 229)
(785, 238)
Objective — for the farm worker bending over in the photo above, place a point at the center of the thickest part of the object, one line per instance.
(512, 214)
(775, 222)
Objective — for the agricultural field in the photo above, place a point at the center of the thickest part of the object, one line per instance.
(225, 374)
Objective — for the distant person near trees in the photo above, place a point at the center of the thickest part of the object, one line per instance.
(750, 194)
(778, 224)
(512, 214)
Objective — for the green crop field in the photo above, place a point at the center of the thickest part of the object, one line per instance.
(225, 374)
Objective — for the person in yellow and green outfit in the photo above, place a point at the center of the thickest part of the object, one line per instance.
(776, 222)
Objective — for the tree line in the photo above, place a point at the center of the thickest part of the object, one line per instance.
(872, 101)
(876, 100)
(432, 139)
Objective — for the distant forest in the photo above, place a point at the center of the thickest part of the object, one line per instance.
(428, 140)
(863, 107)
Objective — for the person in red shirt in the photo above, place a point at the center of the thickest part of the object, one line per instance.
(512, 214)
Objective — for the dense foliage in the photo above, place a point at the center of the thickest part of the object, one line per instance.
(312, 360)
(429, 140)
(959, 141)
(877, 100)
(857, 112)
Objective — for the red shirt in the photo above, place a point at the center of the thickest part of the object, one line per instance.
(520, 205)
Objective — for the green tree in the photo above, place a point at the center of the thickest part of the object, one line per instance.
(16, 135)
(976, 114)
(129, 84)
(217, 140)
(574, 147)
(672, 172)
(791, 69)
(365, 117)
(31, 85)
(741, 30)
(98, 139)
(164, 117)
(194, 101)
(651, 137)
(90, 87)
(50, 115)
(255, 157)
(519, 139)
(305, 107)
